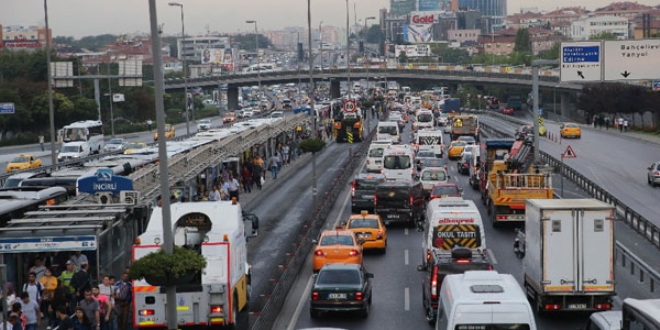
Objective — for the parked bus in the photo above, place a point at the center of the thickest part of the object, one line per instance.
(90, 131)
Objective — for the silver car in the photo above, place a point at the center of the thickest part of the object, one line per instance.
(653, 177)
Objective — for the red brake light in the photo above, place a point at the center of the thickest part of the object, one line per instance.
(490, 267)
(463, 261)
(379, 235)
(375, 200)
(603, 306)
(656, 173)
(339, 228)
(358, 296)
(216, 309)
(428, 255)
(319, 253)
(353, 189)
(434, 284)
(552, 307)
(354, 253)
(411, 199)
(146, 312)
(315, 295)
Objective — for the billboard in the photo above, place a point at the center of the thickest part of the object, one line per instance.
(418, 33)
(218, 56)
(413, 50)
(424, 5)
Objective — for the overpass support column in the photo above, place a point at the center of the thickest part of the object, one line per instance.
(232, 97)
(335, 90)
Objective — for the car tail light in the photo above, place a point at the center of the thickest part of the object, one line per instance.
(434, 284)
(490, 267)
(501, 217)
(552, 307)
(353, 189)
(411, 200)
(382, 171)
(603, 306)
(216, 309)
(463, 261)
(319, 253)
(379, 235)
(315, 295)
(358, 296)
(656, 173)
(146, 312)
(354, 253)
(428, 255)
(375, 200)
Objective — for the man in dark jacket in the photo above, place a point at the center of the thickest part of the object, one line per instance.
(81, 281)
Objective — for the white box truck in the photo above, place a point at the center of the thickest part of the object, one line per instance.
(568, 265)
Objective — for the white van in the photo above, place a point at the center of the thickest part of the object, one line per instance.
(480, 299)
(425, 120)
(430, 140)
(73, 151)
(388, 130)
(398, 162)
(375, 155)
(452, 221)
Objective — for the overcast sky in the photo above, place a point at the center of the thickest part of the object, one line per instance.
(91, 17)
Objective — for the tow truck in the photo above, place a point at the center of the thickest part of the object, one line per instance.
(443, 263)
(348, 122)
(465, 125)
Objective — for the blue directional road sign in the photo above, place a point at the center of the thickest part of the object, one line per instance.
(581, 61)
(656, 85)
(104, 181)
(7, 108)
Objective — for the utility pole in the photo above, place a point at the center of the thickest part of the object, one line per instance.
(185, 72)
(51, 110)
(535, 109)
(311, 99)
(348, 49)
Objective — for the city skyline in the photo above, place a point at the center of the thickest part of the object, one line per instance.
(122, 17)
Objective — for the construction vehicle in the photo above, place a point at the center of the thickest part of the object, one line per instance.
(348, 127)
(465, 125)
(504, 183)
(217, 294)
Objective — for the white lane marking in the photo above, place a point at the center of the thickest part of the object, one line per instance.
(406, 300)
(308, 288)
(405, 232)
(491, 255)
(405, 257)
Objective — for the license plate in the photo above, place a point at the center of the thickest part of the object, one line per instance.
(366, 235)
(337, 296)
(577, 306)
(368, 196)
(392, 216)
(516, 217)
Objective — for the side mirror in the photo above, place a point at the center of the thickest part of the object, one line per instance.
(421, 268)
(649, 168)
(448, 177)
(315, 241)
(361, 241)
(369, 275)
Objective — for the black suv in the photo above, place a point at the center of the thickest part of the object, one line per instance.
(362, 191)
(442, 263)
(400, 201)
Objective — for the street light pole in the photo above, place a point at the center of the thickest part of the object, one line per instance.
(256, 49)
(321, 45)
(311, 98)
(112, 115)
(348, 49)
(185, 72)
(51, 110)
(535, 98)
(364, 37)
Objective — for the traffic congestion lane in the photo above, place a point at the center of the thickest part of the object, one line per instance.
(622, 181)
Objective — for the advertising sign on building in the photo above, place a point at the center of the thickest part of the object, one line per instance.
(424, 17)
(425, 5)
(218, 56)
(418, 33)
(414, 50)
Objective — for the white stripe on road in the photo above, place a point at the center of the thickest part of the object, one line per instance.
(405, 257)
(491, 255)
(406, 299)
(308, 288)
(405, 232)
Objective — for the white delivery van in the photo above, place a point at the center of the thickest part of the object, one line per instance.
(452, 221)
(73, 151)
(430, 140)
(425, 120)
(375, 155)
(388, 130)
(398, 163)
(481, 299)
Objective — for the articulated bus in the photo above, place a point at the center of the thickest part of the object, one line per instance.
(90, 131)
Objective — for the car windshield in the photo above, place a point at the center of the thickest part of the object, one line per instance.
(366, 184)
(396, 162)
(364, 223)
(435, 162)
(228, 114)
(276, 115)
(204, 121)
(425, 154)
(434, 175)
(425, 118)
(12, 182)
(466, 157)
(20, 160)
(115, 141)
(136, 146)
(376, 152)
(571, 126)
(337, 240)
(70, 148)
(445, 190)
(338, 276)
(466, 139)
(458, 144)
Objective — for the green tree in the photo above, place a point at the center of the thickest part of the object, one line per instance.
(603, 36)
(63, 108)
(403, 58)
(453, 55)
(523, 42)
(374, 34)
(553, 52)
(247, 41)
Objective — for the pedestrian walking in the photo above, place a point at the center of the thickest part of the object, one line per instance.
(41, 142)
(620, 124)
(274, 165)
(285, 154)
(246, 177)
(124, 298)
(625, 125)
(31, 310)
(607, 123)
(234, 187)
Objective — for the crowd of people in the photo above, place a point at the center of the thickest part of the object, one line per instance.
(621, 124)
(60, 293)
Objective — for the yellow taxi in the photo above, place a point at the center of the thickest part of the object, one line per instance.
(455, 150)
(542, 130)
(370, 229)
(228, 117)
(570, 130)
(170, 132)
(336, 246)
(134, 146)
(23, 162)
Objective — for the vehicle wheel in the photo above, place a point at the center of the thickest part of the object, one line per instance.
(234, 313)
(314, 313)
(384, 250)
(648, 180)
(365, 311)
(492, 212)
(488, 209)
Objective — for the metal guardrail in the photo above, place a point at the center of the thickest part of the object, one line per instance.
(644, 273)
(283, 278)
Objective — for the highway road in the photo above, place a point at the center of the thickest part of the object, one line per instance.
(397, 283)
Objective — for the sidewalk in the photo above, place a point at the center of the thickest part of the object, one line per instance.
(628, 135)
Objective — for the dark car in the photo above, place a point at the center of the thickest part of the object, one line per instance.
(465, 163)
(362, 191)
(341, 288)
(442, 263)
(525, 132)
(443, 190)
(400, 201)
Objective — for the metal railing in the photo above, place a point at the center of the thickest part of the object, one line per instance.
(633, 219)
(268, 306)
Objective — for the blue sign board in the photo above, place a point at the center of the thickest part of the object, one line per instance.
(104, 181)
(7, 108)
(580, 54)
(43, 244)
(656, 85)
(428, 5)
(581, 61)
